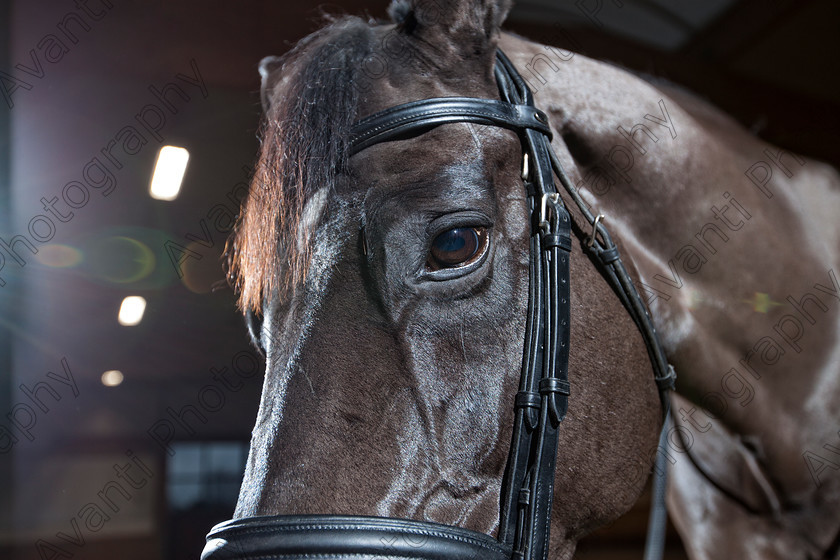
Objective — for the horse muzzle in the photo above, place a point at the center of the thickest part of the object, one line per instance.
(347, 538)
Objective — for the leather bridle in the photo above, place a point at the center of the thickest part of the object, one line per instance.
(541, 402)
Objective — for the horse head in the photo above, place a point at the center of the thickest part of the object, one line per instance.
(388, 288)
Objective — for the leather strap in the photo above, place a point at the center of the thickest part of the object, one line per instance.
(410, 118)
(528, 486)
(345, 537)
(602, 247)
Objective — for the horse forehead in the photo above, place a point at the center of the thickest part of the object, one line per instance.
(404, 83)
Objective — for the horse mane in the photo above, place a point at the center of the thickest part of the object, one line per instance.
(304, 136)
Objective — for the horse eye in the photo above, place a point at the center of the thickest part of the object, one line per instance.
(456, 247)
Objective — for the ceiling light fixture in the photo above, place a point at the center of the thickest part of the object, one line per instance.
(131, 311)
(169, 172)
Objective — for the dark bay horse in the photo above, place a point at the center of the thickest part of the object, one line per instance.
(388, 291)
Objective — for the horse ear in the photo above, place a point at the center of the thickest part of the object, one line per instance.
(468, 28)
(269, 67)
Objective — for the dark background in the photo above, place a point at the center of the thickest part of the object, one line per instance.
(773, 65)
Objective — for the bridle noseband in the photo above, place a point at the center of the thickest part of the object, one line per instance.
(541, 402)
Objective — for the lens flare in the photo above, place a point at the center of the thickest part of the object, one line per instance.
(55, 255)
(120, 259)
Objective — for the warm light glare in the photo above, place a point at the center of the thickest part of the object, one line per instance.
(112, 378)
(169, 172)
(131, 311)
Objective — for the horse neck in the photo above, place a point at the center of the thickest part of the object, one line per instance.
(735, 242)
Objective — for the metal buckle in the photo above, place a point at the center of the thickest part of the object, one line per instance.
(544, 225)
(591, 240)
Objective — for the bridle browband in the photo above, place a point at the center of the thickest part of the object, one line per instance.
(541, 402)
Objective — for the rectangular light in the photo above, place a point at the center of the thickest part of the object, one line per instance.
(131, 311)
(169, 172)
